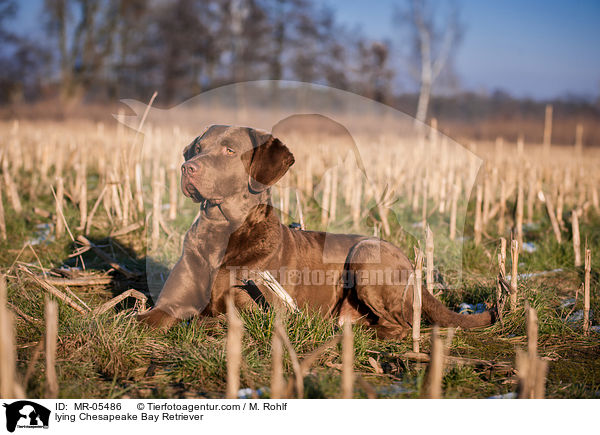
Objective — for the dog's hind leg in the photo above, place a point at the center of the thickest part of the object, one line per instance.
(381, 285)
(390, 296)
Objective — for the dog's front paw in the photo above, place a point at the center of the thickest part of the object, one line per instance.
(157, 318)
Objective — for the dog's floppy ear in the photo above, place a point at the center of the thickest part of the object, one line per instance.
(267, 162)
(188, 152)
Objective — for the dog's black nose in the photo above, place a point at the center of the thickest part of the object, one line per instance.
(189, 168)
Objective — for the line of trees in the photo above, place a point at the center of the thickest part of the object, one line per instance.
(99, 49)
(103, 50)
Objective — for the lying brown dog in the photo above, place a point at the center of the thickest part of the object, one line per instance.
(229, 170)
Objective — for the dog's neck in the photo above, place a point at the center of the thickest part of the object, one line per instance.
(234, 210)
(210, 234)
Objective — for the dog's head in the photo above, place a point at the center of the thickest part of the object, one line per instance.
(226, 161)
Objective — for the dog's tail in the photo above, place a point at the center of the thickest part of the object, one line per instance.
(438, 314)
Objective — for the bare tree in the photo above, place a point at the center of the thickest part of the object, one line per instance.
(435, 36)
(57, 15)
(8, 10)
(374, 70)
(285, 17)
(8, 41)
(129, 34)
(84, 50)
(108, 48)
(334, 59)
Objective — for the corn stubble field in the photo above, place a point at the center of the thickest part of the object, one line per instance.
(83, 211)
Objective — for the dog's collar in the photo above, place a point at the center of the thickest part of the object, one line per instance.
(252, 191)
(207, 210)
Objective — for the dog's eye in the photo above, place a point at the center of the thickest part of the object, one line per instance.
(229, 151)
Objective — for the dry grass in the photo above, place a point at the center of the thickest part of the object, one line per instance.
(109, 196)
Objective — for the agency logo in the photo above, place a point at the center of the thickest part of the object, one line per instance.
(25, 414)
(365, 167)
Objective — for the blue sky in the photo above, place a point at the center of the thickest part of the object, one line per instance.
(534, 48)
(531, 48)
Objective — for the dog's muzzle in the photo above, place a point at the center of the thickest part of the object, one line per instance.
(189, 169)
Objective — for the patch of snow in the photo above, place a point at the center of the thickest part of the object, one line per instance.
(511, 395)
(42, 235)
(567, 302)
(465, 308)
(394, 389)
(249, 393)
(577, 316)
(533, 274)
